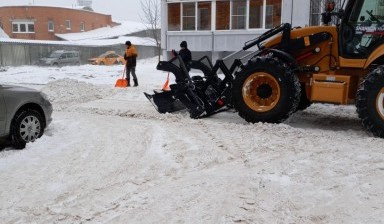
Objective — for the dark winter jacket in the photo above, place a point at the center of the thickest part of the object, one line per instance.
(130, 56)
(186, 55)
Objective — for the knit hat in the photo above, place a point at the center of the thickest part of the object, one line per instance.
(183, 44)
(128, 43)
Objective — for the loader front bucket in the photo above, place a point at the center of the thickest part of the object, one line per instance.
(164, 102)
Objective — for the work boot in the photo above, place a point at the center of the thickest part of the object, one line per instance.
(128, 83)
(135, 82)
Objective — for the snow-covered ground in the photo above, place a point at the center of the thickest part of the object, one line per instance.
(109, 157)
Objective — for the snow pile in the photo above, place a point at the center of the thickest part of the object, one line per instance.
(125, 28)
(3, 34)
(64, 93)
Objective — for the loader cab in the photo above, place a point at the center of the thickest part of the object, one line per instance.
(362, 28)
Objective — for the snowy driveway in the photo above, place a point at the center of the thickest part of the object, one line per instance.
(109, 157)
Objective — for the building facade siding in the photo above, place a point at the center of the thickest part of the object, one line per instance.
(246, 20)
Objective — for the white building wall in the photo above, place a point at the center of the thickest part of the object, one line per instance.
(296, 12)
(218, 43)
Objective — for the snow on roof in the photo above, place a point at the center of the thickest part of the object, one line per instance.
(139, 41)
(3, 34)
(126, 28)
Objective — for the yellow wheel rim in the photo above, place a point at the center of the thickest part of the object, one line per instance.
(380, 103)
(261, 92)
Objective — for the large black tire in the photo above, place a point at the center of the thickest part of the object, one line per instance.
(26, 126)
(304, 101)
(370, 102)
(266, 90)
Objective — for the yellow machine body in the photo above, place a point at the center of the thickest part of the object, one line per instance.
(336, 79)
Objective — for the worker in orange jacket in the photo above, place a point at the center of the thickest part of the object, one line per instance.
(130, 62)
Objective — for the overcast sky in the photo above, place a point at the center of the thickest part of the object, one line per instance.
(119, 9)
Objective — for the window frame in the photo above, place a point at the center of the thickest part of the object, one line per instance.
(200, 7)
(53, 26)
(188, 16)
(175, 27)
(237, 16)
(262, 23)
(68, 24)
(213, 15)
(23, 25)
(82, 26)
(269, 10)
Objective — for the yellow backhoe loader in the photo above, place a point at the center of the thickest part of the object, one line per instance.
(340, 63)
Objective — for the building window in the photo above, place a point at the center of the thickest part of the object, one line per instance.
(68, 24)
(222, 15)
(230, 15)
(31, 28)
(204, 16)
(189, 16)
(51, 26)
(184, 16)
(82, 27)
(23, 26)
(273, 14)
(256, 14)
(15, 28)
(174, 17)
(238, 14)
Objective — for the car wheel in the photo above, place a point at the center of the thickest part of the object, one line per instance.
(26, 126)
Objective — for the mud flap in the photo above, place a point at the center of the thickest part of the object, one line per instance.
(164, 102)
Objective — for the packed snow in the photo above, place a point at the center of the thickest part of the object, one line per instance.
(124, 28)
(3, 34)
(109, 157)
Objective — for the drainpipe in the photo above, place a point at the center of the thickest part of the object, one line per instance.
(291, 12)
(213, 46)
(1, 55)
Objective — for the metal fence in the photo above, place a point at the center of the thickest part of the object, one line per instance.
(317, 7)
(16, 54)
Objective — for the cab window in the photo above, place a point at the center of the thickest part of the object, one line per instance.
(364, 30)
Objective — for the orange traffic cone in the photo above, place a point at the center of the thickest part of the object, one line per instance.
(166, 85)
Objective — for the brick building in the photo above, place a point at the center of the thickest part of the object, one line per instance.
(43, 22)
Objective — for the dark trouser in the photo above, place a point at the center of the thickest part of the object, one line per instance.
(131, 70)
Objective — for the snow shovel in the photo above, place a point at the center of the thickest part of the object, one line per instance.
(122, 83)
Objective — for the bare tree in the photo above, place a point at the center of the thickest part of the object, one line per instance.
(152, 18)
